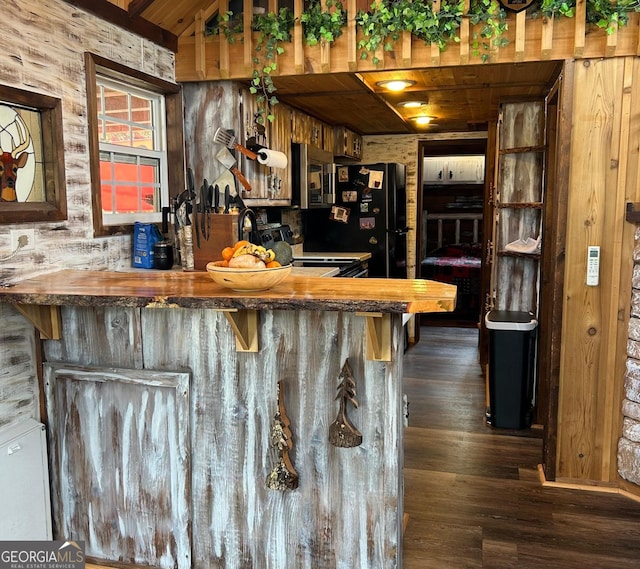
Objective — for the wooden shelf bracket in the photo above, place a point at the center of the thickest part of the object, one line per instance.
(244, 324)
(378, 335)
(45, 318)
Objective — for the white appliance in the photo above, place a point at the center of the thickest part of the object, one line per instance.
(24, 483)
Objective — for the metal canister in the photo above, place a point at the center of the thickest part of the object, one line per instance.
(163, 255)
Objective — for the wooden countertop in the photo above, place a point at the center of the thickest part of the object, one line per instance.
(196, 290)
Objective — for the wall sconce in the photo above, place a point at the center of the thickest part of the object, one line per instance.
(396, 84)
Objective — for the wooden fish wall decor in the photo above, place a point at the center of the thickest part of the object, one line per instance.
(284, 475)
(341, 432)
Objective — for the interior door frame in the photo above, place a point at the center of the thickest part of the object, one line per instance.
(559, 102)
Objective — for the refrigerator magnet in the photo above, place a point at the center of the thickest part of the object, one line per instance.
(349, 196)
(376, 177)
(367, 222)
(340, 214)
(364, 207)
(343, 174)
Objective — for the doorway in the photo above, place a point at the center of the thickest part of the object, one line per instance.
(554, 220)
(452, 197)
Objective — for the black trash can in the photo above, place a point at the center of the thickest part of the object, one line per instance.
(512, 353)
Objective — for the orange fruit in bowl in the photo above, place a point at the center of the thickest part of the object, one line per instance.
(273, 264)
(239, 244)
(227, 253)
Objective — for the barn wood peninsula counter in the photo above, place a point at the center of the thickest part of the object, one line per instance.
(160, 422)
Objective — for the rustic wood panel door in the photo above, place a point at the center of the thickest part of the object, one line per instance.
(518, 203)
(120, 439)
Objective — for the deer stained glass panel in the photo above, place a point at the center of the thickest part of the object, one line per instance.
(21, 157)
(32, 165)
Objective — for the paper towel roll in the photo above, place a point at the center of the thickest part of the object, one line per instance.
(272, 158)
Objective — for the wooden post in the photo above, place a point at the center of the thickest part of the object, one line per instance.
(352, 36)
(224, 44)
(247, 19)
(546, 40)
(298, 47)
(579, 33)
(200, 46)
(520, 34)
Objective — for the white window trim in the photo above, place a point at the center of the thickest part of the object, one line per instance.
(158, 110)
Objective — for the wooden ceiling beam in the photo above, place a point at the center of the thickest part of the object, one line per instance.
(136, 24)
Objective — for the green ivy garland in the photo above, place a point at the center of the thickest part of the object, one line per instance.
(323, 25)
(383, 24)
(605, 14)
(273, 30)
(493, 18)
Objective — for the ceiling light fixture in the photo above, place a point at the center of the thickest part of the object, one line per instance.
(412, 104)
(396, 84)
(422, 120)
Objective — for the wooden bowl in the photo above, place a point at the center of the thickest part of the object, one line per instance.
(247, 280)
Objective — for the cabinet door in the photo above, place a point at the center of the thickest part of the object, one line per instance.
(454, 169)
(120, 443)
(306, 129)
(434, 169)
(465, 170)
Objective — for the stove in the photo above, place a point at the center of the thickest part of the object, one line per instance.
(272, 232)
(347, 268)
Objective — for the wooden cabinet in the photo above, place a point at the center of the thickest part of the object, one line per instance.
(518, 203)
(453, 169)
(347, 144)
(307, 130)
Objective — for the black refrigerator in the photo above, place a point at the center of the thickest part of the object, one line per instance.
(369, 215)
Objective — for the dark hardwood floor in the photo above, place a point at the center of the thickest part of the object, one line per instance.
(473, 494)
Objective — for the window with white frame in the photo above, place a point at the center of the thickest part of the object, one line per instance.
(136, 144)
(133, 157)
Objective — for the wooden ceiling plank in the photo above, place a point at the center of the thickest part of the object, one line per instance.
(175, 15)
(208, 14)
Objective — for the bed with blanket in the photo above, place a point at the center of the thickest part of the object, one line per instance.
(458, 263)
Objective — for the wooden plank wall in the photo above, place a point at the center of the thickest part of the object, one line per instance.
(19, 391)
(46, 54)
(347, 510)
(604, 175)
